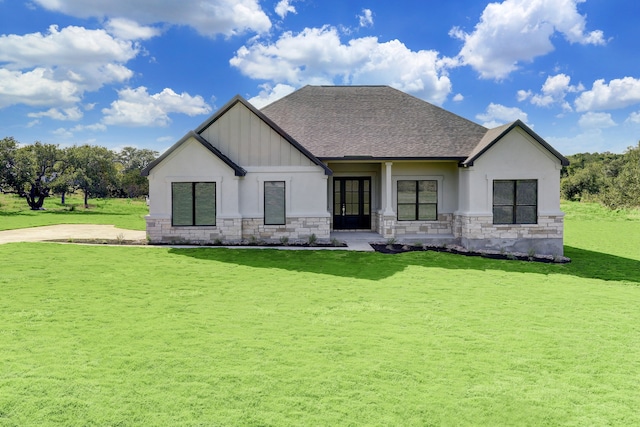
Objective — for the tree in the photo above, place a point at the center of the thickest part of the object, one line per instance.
(624, 189)
(8, 148)
(133, 161)
(94, 170)
(29, 171)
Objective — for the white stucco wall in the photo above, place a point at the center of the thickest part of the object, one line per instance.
(515, 156)
(191, 162)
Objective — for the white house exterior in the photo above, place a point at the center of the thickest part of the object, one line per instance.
(328, 158)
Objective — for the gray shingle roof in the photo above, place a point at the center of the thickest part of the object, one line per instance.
(372, 121)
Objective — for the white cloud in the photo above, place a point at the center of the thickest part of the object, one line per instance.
(366, 19)
(634, 117)
(619, 93)
(517, 31)
(36, 88)
(127, 29)
(56, 68)
(71, 114)
(554, 91)
(497, 115)
(284, 7)
(593, 120)
(270, 94)
(211, 17)
(318, 56)
(458, 97)
(135, 107)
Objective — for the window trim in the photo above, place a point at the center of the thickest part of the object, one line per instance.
(284, 202)
(515, 204)
(194, 203)
(417, 203)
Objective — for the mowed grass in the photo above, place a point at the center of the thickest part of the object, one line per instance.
(123, 213)
(158, 336)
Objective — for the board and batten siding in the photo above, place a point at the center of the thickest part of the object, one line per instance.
(248, 141)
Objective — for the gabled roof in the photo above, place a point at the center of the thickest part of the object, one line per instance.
(238, 99)
(237, 169)
(338, 122)
(496, 134)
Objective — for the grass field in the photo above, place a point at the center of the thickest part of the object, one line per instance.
(123, 213)
(158, 336)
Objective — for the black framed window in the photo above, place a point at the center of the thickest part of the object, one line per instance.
(274, 203)
(193, 203)
(417, 200)
(515, 201)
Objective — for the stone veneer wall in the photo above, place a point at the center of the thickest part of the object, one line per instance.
(444, 225)
(479, 232)
(295, 228)
(161, 231)
(236, 229)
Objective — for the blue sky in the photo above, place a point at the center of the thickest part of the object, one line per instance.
(143, 73)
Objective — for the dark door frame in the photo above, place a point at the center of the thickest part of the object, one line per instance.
(352, 203)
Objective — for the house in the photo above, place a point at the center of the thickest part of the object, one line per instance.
(327, 158)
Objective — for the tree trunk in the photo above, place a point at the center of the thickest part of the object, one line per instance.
(86, 202)
(62, 198)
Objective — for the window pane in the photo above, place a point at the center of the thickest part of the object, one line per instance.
(406, 192)
(428, 192)
(503, 214)
(274, 203)
(526, 215)
(181, 203)
(205, 203)
(503, 192)
(527, 192)
(427, 212)
(407, 212)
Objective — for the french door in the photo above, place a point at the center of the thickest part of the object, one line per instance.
(352, 203)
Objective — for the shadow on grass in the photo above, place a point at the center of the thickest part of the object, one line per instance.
(376, 266)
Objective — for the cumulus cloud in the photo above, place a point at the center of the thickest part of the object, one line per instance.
(593, 120)
(458, 97)
(516, 31)
(210, 18)
(618, 93)
(56, 68)
(366, 18)
(136, 107)
(634, 117)
(36, 88)
(284, 7)
(127, 29)
(497, 115)
(318, 56)
(66, 114)
(270, 94)
(554, 91)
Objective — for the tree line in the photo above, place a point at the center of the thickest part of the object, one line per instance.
(38, 171)
(610, 179)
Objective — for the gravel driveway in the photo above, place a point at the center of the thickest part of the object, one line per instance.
(70, 231)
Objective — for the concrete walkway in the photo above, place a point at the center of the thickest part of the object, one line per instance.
(356, 241)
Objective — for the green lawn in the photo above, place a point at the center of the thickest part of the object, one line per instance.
(127, 336)
(123, 213)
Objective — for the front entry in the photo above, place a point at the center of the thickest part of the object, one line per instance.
(352, 203)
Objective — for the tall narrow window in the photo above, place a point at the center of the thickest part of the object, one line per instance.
(193, 203)
(274, 203)
(515, 201)
(418, 200)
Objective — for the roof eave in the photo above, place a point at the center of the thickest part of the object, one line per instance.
(239, 171)
(518, 123)
(269, 122)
